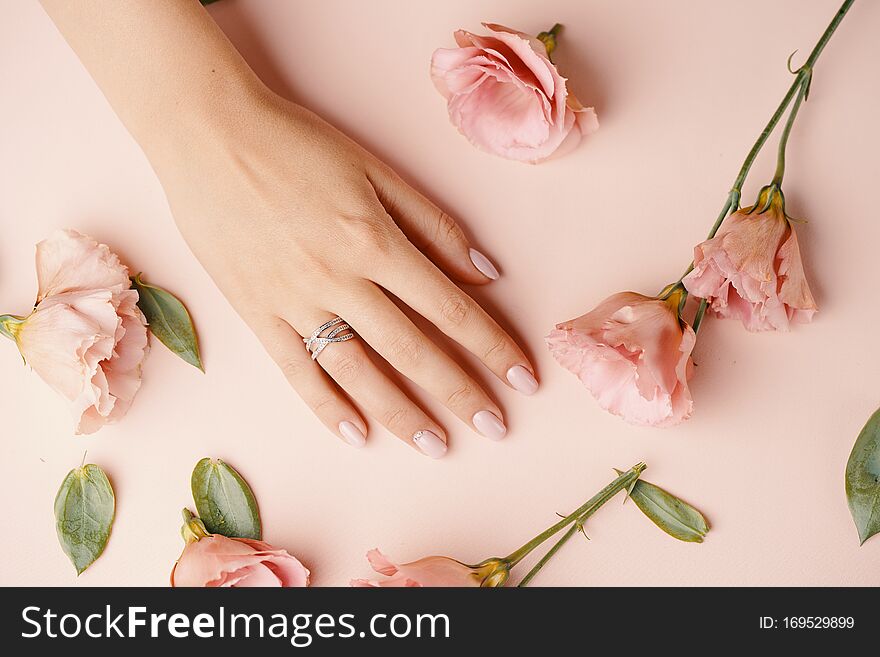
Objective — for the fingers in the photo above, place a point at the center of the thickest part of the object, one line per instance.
(431, 230)
(438, 236)
(424, 288)
(350, 365)
(391, 333)
(286, 348)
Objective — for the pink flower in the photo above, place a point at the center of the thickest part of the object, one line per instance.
(507, 97)
(434, 572)
(86, 337)
(632, 352)
(752, 269)
(215, 560)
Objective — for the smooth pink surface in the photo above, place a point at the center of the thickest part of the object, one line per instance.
(682, 89)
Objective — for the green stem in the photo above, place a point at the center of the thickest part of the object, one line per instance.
(622, 481)
(698, 317)
(576, 527)
(762, 138)
(804, 71)
(550, 553)
(786, 130)
(799, 90)
(732, 203)
(548, 38)
(826, 36)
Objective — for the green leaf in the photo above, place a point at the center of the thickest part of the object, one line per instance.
(863, 479)
(224, 501)
(169, 321)
(671, 514)
(84, 511)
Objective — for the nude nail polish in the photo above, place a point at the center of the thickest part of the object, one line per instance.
(351, 434)
(430, 443)
(485, 265)
(490, 425)
(522, 380)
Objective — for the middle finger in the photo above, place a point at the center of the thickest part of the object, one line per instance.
(394, 337)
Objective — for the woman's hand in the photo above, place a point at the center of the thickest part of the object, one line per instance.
(298, 224)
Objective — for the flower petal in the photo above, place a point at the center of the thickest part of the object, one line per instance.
(236, 562)
(507, 97)
(632, 353)
(752, 271)
(69, 262)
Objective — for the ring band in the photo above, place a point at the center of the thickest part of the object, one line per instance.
(316, 343)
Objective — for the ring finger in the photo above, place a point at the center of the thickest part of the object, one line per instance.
(393, 335)
(349, 364)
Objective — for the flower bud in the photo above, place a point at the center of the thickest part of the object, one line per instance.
(752, 269)
(435, 572)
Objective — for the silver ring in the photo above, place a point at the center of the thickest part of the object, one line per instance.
(339, 331)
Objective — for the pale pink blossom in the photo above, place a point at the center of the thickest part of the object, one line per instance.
(507, 97)
(86, 337)
(433, 572)
(632, 352)
(217, 561)
(752, 270)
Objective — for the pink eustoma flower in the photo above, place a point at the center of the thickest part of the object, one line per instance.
(433, 572)
(633, 353)
(506, 96)
(752, 270)
(86, 337)
(217, 561)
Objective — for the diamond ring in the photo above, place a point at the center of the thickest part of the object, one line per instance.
(336, 331)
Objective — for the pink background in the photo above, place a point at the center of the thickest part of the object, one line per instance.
(682, 89)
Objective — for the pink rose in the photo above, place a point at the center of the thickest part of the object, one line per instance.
(507, 97)
(433, 572)
(632, 352)
(86, 337)
(752, 269)
(215, 560)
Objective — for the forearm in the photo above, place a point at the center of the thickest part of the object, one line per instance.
(167, 69)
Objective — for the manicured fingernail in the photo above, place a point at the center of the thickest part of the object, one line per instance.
(485, 265)
(522, 380)
(490, 425)
(352, 435)
(430, 443)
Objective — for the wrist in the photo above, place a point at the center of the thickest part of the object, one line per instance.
(212, 119)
